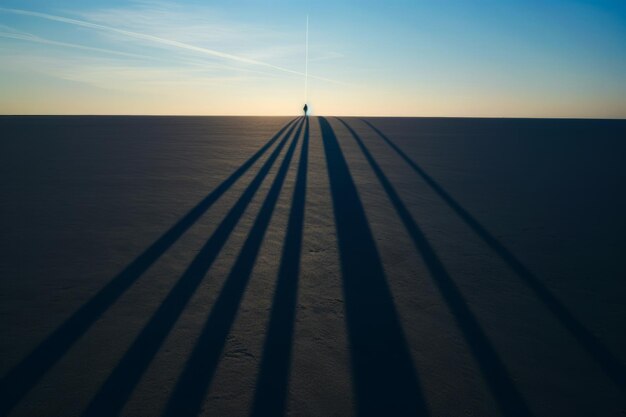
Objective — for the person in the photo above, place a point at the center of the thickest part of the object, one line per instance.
(305, 108)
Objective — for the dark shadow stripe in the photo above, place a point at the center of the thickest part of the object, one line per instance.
(612, 367)
(385, 379)
(273, 381)
(196, 377)
(502, 386)
(23, 377)
(118, 387)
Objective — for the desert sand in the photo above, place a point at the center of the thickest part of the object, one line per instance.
(267, 266)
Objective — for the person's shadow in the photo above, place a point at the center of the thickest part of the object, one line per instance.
(384, 377)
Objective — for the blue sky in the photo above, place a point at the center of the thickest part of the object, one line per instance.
(395, 58)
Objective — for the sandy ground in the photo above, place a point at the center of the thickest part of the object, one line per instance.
(228, 266)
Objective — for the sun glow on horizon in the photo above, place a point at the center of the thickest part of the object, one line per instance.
(565, 59)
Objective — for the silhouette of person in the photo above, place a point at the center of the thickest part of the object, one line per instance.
(305, 108)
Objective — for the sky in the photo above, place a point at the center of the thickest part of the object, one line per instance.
(526, 58)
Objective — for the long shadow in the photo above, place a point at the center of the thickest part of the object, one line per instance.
(196, 377)
(118, 387)
(385, 379)
(271, 388)
(506, 394)
(24, 376)
(611, 366)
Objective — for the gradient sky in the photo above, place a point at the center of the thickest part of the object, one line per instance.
(394, 58)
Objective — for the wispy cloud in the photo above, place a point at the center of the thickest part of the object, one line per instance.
(115, 74)
(188, 64)
(157, 40)
(197, 25)
(146, 37)
(123, 75)
(11, 29)
(23, 36)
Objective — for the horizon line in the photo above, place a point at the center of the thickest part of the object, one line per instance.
(315, 115)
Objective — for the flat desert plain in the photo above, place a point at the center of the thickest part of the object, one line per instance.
(267, 266)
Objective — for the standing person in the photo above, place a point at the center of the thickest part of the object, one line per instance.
(305, 108)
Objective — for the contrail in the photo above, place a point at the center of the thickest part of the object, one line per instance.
(155, 39)
(306, 62)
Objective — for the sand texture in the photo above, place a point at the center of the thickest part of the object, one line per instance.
(268, 266)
